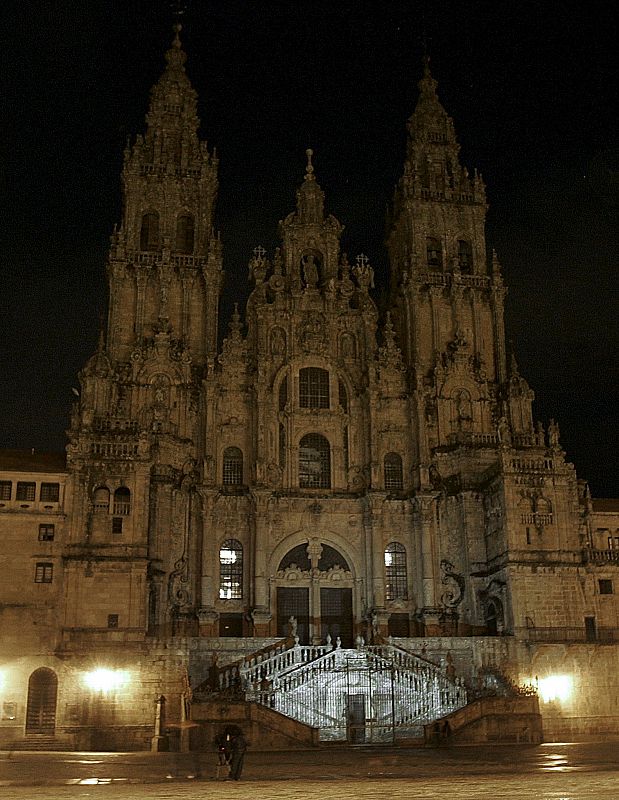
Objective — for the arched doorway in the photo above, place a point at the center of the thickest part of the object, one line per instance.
(41, 709)
(314, 585)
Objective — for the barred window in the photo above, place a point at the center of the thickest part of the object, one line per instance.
(393, 472)
(6, 488)
(434, 253)
(43, 572)
(233, 467)
(117, 526)
(25, 491)
(149, 231)
(122, 501)
(46, 532)
(112, 620)
(313, 387)
(50, 492)
(396, 584)
(231, 570)
(314, 462)
(184, 234)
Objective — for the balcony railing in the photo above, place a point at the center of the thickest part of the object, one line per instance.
(597, 636)
(594, 556)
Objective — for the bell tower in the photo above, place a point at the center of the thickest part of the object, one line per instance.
(447, 293)
(164, 266)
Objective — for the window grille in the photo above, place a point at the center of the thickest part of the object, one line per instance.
(6, 488)
(117, 526)
(50, 492)
(46, 532)
(393, 472)
(233, 467)
(396, 583)
(605, 586)
(231, 570)
(43, 572)
(313, 388)
(314, 462)
(112, 620)
(25, 491)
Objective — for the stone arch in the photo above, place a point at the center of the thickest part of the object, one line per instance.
(41, 705)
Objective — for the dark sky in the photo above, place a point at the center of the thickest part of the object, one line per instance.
(531, 88)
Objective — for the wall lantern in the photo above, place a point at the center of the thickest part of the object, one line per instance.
(105, 680)
(555, 687)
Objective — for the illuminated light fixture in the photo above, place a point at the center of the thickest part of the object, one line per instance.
(555, 687)
(104, 680)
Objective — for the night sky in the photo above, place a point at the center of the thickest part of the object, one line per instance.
(531, 88)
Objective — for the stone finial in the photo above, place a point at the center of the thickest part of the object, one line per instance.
(309, 170)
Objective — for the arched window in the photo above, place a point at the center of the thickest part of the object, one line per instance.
(313, 388)
(101, 500)
(231, 570)
(122, 501)
(149, 232)
(434, 253)
(393, 472)
(233, 467)
(184, 234)
(396, 583)
(465, 256)
(314, 462)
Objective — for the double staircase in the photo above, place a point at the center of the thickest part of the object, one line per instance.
(371, 694)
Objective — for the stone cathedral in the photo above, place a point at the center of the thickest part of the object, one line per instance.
(330, 479)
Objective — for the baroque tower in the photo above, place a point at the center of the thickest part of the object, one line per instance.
(135, 435)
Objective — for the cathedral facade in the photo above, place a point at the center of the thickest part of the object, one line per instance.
(331, 471)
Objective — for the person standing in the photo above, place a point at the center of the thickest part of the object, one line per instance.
(239, 746)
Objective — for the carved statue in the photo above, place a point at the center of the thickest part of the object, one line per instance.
(310, 271)
(553, 434)
(505, 435)
(292, 627)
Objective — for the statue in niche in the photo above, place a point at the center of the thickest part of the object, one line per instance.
(505, 434)
(292, 626)
(278, 342)
(310, 270)
(464, 410)
(347, 345)
(553, 434)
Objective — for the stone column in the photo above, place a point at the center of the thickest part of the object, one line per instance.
(262, 615)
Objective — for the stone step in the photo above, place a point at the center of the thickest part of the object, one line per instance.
(40, 743)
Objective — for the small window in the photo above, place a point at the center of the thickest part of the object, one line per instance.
(605, 585)
(5, 490)
(43, 572)
(345, 451)
(231, 625)
(314, 462)
(313, 388)
(434, 253)
(233, 467)
(396, 582)
(231, 570)
(46, 532)
(613, 542)
(465, 256)
(122, 501)
(117, 526)
(25, 491)
(393, 472)
(50, 492)
(112, 620)
(149, 232)
(184, 234)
